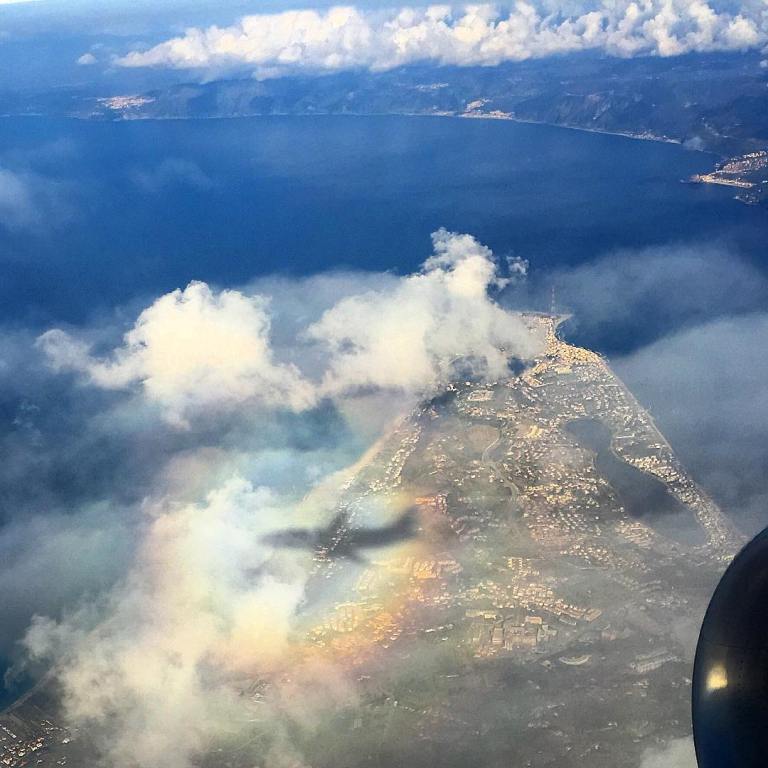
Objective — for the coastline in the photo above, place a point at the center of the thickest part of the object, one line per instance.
(625, 134)
(119, 116)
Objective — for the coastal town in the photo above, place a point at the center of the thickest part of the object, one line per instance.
(554, 534)
(747, 173)
(533, 549)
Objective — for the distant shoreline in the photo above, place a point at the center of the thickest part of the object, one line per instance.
(502, 117)
(624, 134)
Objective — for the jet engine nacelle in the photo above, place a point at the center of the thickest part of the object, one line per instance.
(730, 674)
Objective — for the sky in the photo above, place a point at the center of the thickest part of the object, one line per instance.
(86, 42)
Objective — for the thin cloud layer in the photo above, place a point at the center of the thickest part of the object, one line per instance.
(345, 37)
(706, 386)
(31, 202)
(678, 753)
(631, 298)
(196, 349)
(154, 677)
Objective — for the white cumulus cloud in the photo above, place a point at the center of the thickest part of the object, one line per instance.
(411, 336)
(198, 350)
(345, 37)
(192, 349)
(86, 60)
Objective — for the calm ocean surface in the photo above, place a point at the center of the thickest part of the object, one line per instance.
(123, 211)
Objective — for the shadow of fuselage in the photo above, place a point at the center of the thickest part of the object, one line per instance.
(340, 540)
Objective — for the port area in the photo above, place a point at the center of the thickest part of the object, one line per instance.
(747, 173)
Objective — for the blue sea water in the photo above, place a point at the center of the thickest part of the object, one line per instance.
(123, 211)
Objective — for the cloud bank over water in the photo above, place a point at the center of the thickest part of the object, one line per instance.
(346, 37)
(198, 349)
(682, 325)
(707, 383)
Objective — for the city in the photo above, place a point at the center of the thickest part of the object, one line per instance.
(525, 564)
